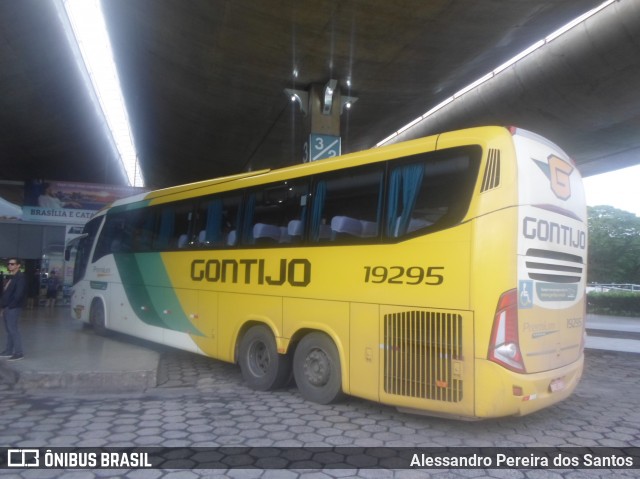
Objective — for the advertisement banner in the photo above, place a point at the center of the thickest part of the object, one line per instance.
(69, 202)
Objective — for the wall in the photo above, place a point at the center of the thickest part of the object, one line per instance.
(30, 241)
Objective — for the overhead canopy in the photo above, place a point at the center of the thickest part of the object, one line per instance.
(204, 80)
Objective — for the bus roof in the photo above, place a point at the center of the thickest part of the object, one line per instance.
(372, 155)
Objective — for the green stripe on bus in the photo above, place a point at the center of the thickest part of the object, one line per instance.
(150, 293)
(129, 206)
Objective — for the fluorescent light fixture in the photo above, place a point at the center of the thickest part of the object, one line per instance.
(518, 57)
(473, 85)
(90, 33)
(501, 68)
(409, 125)
(439, 106)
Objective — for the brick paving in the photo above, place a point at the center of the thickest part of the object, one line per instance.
(203, 403)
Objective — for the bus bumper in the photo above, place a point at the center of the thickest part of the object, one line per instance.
(507, 393)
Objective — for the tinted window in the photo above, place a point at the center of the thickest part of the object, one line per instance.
(217, 221)
(276, 213)
(431, 192)
(84, 249)
(346, 205)
(157, 228)
(113, 238)
(173, 223)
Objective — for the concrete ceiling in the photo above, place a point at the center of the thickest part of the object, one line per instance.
(204, 80)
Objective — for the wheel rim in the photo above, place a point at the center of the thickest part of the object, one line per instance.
(259, 359)
(317, 368)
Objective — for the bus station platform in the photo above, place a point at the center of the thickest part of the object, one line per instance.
(62, 353)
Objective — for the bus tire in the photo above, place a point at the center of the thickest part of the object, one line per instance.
(316, 369)
(97, 317)
(263, 369)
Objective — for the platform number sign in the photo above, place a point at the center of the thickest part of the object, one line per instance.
(321, 146)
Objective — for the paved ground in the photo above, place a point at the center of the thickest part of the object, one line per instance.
(202, 402)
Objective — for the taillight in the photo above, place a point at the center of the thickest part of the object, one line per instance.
(504, 347)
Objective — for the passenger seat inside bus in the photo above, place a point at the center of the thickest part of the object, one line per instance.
(414, 225)
(294, 229)
(341, 225)
(182, 241)
(270, 233)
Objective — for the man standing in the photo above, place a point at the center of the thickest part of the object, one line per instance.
(13, 298)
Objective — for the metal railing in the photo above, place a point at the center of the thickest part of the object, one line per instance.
(604, 288)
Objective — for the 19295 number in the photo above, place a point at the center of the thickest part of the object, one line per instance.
(401, 275)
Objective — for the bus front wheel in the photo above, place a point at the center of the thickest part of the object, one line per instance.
(263, 369)
(97, 317)
(316, 369)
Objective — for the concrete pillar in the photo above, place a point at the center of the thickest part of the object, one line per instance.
(322, 123)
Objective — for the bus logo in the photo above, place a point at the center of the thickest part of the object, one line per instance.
(558, 171)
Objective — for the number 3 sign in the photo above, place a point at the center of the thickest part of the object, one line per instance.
(321, 146)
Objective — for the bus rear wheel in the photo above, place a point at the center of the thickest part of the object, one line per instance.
(316, 369)
(263, 369)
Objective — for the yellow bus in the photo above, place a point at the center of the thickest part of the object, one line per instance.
(443, 275)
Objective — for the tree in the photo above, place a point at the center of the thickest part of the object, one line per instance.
(614, 246)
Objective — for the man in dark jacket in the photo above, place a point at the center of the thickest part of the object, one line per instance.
(13, 299)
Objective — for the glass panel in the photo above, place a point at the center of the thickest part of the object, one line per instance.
(217, 221)
(276, 213)
(347, 205)
(430, 194)
(173, 227)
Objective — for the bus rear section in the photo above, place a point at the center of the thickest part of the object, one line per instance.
(537, 322)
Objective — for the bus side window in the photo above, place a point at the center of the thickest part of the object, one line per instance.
(346, 206)
(430, 194)
(112, 237)
(276, 213)
(137, 230)
(143, 227)
(217, 220)
(173, 228)
(405, 183)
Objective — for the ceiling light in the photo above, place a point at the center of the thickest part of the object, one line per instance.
(347, 102)
(501, 68)
(329, 88)
(89, 31)
(300, 97)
